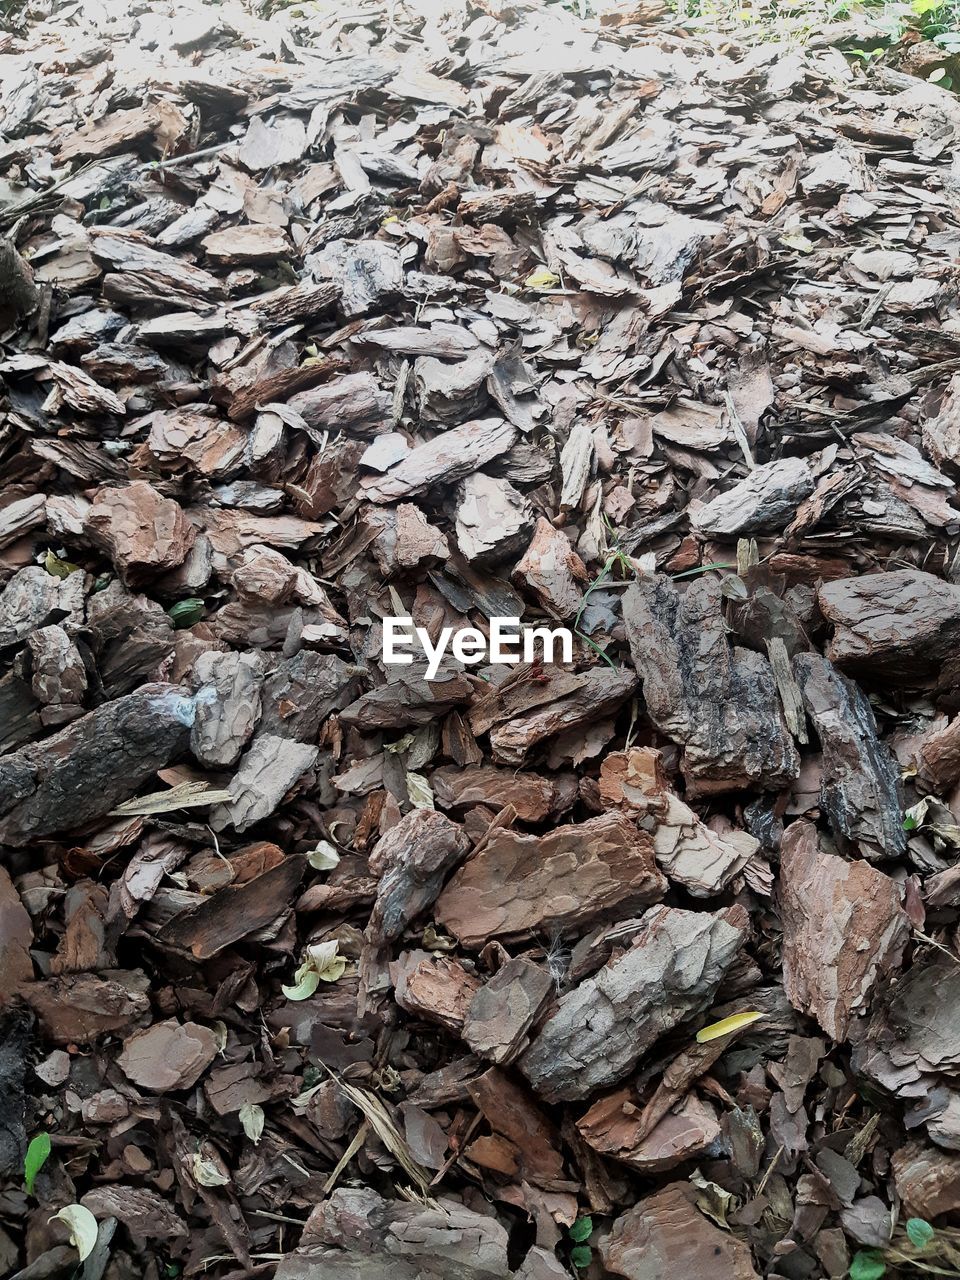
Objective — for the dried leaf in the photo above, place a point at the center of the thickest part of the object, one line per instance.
(723, 1028)
(83, 1228)
(252, 1118)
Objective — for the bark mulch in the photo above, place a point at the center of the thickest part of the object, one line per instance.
(314, 967)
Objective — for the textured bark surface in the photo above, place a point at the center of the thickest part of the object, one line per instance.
(666, 1234)
(412, 860)
(900, 624)
(602, 1028)
(518, 886)
(719, 703)
(79, 774)
(860, 790)
(844, 929)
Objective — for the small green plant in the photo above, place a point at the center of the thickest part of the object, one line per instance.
(186, 612)
(919, 1232)
(581, 1255)
(38, 1153)
(867, 1264)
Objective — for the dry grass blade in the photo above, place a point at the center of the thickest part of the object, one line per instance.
(188, 795)
(379, 1120)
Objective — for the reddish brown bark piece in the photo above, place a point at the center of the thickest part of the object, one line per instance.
(404, 539)
(412, 859)
(236, 911)
(687, 850)
(665, 1234)
(143, 532)
(552, 571)
(513, 1115)
(602, 1028)
(938, 758)
(255, 243)
(900, 625)
(593, 696)
(169, 1055)
(535, 797)
(115, 132)
(719, 703)
(81, 1006)
(519, 885)
(437, 988)
(927, 1180)
(843, 930)
(145, 1213)
(613, 1127)
(504, 1009)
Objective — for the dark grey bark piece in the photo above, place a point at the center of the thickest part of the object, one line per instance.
(442, 460)
(18, 290)
(228, 711)
(860, 787)
(301, 692)
(352, 403)
(413, 859)
(521, 885)
(409, 701)
(148, 269)
(602, 1028)
(19, 712)
(78, 775)
(898, 625)
(766, 500)
(719, 703)
(449, 393)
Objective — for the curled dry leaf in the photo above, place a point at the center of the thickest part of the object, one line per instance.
(83, 1228)
(322, 963)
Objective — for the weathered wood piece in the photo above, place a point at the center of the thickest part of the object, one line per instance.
(718, 702)
(603, 1027)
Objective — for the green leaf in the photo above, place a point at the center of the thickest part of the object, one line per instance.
(581, 1256)
(867, 1264)
(38, 1153)
(581, 1230)
(186, 612)
(920, 1232)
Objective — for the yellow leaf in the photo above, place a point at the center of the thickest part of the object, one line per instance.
(59, 568)
(542, 278)
(726, 1025)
